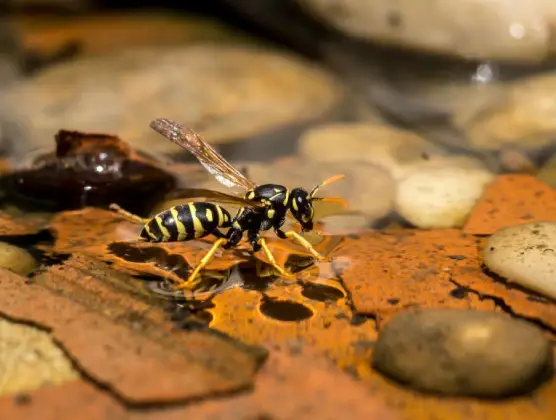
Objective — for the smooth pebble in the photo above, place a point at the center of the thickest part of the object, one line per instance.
(525, 254)
(16, 259)
(463, 352)
(440, 196)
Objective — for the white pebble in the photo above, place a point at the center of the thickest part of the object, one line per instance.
(440, 197)
(525, 254)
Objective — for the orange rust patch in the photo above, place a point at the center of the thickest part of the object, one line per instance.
(14, 226)
(386, 272)
(121, 341)
(511, 200)
(327, 326)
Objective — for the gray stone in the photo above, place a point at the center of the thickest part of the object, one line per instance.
(463, 352)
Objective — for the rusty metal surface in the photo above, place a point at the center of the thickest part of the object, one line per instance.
(141, 361)
(138, 359)
(511, 200)
(386, 272)
(294, 383)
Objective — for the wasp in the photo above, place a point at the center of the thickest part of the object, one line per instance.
(263, 207)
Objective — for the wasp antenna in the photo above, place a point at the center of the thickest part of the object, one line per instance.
(338, 200)
(326, 182)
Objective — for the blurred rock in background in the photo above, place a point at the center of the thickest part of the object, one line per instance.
(399, 86)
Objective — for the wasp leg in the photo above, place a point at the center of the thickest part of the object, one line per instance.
(301, 241)
(191, 282)
(264, 246)
(127, 215)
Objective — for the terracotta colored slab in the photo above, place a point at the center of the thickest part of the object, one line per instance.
(13, 226)
(386, 272)
(331, 329)
(141, 361)
(470, 275)
(289, 386)
(511, 200)
(74, 400)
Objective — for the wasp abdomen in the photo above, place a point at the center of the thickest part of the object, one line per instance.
(186, 222)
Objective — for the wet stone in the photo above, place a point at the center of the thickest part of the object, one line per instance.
(233, 92)
(446, 30)
(547, 172)
(525, 255)
(463, 352)
(16, 259)
(88, 169)
(440, 197)
(30, 359)
(523, 116)
(396, 150)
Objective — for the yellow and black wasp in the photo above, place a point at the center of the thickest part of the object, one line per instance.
(263, 207)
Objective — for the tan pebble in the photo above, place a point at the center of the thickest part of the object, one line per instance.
(30, 359)
(526, 255)
(440, 197)
(16, 259)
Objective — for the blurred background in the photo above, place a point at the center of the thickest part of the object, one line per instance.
(402, 97)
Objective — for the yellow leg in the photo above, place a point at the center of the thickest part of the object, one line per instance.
(191, 282)
(127, 215)
(273, 262)
(305, 244)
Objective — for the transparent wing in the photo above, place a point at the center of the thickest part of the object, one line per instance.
(213, 196)
(213, 162)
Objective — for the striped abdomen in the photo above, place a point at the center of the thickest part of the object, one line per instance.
(185, 222)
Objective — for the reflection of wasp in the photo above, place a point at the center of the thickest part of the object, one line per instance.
(263, 206)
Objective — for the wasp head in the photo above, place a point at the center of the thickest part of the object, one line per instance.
(301, 207)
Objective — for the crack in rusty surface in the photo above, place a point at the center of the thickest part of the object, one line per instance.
(386, 272)
(349, 301)
(113, 391)
(288, 375)
(531, 294)
(507, 308)
(88, 320)
(510, 298)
